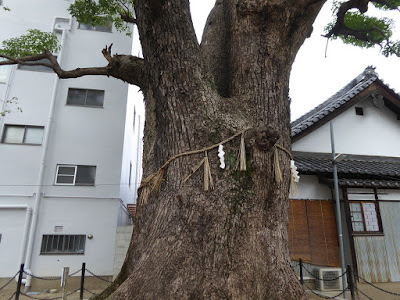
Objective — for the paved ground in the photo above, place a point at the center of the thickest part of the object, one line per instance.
(6, 294)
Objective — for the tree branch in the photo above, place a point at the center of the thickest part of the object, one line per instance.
(128, 68)
(339, 27)
(127, 18)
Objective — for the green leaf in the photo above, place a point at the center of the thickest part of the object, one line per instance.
(390, 5)
(32, 43)
(102, 12)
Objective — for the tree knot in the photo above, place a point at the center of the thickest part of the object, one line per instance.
(263, 137)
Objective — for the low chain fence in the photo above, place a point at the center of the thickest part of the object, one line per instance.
(351, 287)
(18, 293)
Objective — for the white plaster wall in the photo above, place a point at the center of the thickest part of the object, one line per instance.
(363, 135)
(79, 136)
(94, 216)
(393, 195)
(12, 229)
(309, 188)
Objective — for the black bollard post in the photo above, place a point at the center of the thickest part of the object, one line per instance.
(82, 280)
(301, 271)
(350, 282)
(21, 273)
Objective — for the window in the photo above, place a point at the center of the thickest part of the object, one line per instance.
(104, 28)
(20, 134)
(63, 244)
(84, 97)
(37, 68)
(359, 111)
(75, 175)
(364, 217)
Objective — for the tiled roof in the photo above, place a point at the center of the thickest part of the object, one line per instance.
(354, 170)
(356, 86)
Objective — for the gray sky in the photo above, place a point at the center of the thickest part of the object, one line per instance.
(315, 77)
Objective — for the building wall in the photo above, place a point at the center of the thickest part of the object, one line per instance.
(363, 135)
(375, 133)
(97, 136)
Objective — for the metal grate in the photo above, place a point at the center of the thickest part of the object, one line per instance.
(63, 244)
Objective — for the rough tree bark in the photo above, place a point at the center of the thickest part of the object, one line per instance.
(230, 242)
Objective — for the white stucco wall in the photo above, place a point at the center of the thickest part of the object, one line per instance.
(94, 216)
(309, 188)
(377, 132)
(11, 230)
(78, 136)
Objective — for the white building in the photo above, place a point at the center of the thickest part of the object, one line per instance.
(68, 161)
(365, 115)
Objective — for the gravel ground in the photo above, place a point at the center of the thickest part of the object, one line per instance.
(7, 294)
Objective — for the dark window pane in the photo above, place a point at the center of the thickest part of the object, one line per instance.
(65, 179)
(85, 175)
(66, 170)
(63, 244)
(105, 28)
(85, 26)
(76, 97)
(37, 67)
(95, 98)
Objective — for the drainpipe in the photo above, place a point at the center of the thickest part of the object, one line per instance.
(38, 195)
(335, 160)
(26, 229)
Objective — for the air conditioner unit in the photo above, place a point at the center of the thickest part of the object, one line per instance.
(327, 279)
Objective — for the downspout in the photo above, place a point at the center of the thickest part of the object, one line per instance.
(26, 230)
(38, 195)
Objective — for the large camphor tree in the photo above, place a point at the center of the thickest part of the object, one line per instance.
(220, 233)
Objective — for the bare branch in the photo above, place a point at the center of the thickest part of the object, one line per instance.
(125, 67)
(107, 52)
(127, 18)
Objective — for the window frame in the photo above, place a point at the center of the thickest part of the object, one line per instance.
(74, 183)
(6, 126)
(95, 27)
(81, 241)
(378, 219)
(86, 97)
(40, 68)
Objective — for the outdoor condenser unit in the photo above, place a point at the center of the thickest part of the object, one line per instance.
(327, 279)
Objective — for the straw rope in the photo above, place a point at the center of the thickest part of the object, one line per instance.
(147, 180)
(153, 182)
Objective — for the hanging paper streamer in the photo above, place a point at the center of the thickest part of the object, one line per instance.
(242, 154)
(277, 168)
(294, 178)
(221, 155)
(208, 181)
(295, 173)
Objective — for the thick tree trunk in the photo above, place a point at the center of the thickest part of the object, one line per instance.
(229, 242)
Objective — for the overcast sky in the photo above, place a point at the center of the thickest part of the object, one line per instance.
(315, 77)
